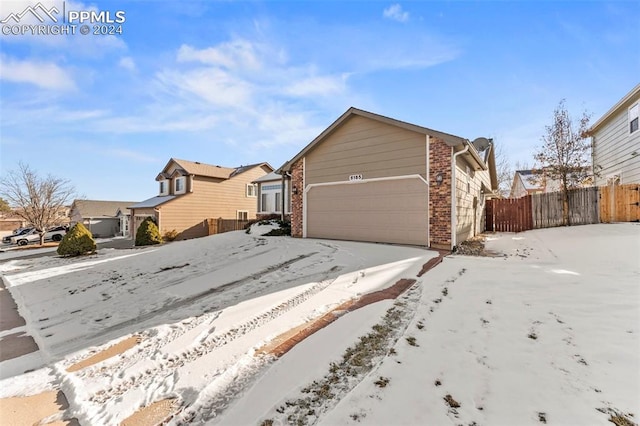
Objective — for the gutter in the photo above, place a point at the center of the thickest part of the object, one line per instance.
(454, 221)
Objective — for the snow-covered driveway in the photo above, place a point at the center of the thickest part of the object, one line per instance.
(547, 332)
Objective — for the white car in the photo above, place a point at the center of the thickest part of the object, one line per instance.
(56, 233)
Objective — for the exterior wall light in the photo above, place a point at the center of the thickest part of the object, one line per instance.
(439, 179)
(294, 190)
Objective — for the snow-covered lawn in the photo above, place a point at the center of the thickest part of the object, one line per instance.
(549, 332)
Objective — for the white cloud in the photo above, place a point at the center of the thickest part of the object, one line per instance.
(396, 13)
(318, 86)
(127, 63)
(46, 75)
(231, 55)
(211, 84)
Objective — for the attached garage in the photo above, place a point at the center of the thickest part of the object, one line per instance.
(387, 210)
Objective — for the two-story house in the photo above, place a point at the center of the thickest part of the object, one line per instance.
(189, 192)
(615, 142)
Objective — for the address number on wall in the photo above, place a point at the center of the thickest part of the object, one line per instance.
(355, 177)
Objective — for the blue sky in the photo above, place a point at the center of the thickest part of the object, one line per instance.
(239, 82)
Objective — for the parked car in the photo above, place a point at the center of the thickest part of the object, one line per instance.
(16, 232)
(56, 233)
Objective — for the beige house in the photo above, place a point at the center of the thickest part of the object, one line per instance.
(101, 218)
(615, 142)
(270, 196)
(191, 192)
(372, 178)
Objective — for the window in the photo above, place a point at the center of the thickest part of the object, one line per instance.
(164, 188)
(242, 215)
(263, 203)
(634, 113)
(278, 202)
(251, 190)
(180, 187)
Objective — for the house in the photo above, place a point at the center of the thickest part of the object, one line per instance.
(615, 142)
(372, 178)
(101, 218)
(270, 200)
(528, 182)
(190, 192)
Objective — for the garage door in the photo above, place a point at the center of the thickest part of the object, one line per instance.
(385, 211)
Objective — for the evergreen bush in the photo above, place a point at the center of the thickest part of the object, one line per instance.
(148, 233)
(77, 241)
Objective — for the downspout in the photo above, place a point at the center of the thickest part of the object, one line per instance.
(454, 219)
(284, 194)
(428, 195)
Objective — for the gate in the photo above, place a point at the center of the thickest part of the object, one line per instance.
(620, 203)
(509, 215)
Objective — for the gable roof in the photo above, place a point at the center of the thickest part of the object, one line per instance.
(450, 140)
(623, 103)
(99, 208)
(269, 177)
(209, 170)
(152, 202)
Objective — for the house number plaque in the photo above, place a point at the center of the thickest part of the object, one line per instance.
(355, 177)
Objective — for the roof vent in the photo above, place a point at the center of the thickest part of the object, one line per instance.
(197, 162)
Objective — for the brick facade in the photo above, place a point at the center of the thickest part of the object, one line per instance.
(439, 195)
(297, 186)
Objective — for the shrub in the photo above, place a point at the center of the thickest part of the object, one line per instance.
(77, 241)
(170, 235)
(148, 233)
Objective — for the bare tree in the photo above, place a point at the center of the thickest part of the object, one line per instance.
(503, 170)
(565, 153)
(36, 199)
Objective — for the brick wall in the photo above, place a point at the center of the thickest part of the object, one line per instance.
(297, 183)
(439, 195)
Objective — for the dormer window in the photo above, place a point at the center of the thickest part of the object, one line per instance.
(180, 186)
(164, 187)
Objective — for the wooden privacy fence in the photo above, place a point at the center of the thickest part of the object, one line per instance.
(220, 225)
(545, 210)
(583, 208)
(620, 203)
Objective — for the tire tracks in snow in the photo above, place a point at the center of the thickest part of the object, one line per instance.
(171, 363)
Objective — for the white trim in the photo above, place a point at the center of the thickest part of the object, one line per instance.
(166, 187)
(184, 185)
(359, 182)
(255, 190)
(454, 219)
(428, 142)
(242, 211)
(635, 106)
(304, 197)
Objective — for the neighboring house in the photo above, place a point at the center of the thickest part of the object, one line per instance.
(191, 192)
(372, 178)
(528, 182)
(270, 201)
(615, 142)
(101, 218)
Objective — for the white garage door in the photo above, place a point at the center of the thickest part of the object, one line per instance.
(385, 211)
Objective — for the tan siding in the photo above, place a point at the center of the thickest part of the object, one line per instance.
(367, 147)
(211, 198)
(469, 221)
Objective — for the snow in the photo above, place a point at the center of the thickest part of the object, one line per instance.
(550, 329)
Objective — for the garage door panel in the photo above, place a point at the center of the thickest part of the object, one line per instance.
(392, 211)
